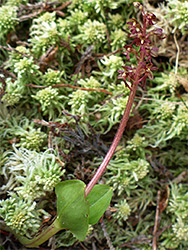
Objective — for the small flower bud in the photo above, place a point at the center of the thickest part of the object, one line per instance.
(138, 5)
(151, 18)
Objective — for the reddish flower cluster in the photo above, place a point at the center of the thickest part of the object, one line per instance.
(137, 74)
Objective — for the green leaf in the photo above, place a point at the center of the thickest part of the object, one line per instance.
(99, 199)
(72, 208)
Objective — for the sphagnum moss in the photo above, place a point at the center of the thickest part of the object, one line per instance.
(132, 178)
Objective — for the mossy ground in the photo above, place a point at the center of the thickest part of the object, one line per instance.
(60, 93)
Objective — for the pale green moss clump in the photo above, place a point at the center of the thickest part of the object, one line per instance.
(32, 174)
(20, 215)
(44, 33)
(8, 20)
(123, 211)
(11, 99)
(177, 13)
(92, 32)
(50, 100)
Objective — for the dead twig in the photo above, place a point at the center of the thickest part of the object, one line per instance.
(163, 229)
(48, 57)
(84, 248)
(29, 16)
(157, 221)
(38, 5)
(70, 86)
(2, 89)
(9, 48)
(137, 240)
(162, 202)
(180, 177)
(178, 53)
(43, 6)
(64, 5)
(50, 143)
(86, 55)
(107, 236)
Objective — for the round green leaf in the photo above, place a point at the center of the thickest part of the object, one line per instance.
(72, 207)
(99, 199)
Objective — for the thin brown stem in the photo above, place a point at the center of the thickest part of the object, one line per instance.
(115, 142)
(69, 86)
(157, 218)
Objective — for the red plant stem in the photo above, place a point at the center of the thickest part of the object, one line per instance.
(115, 142)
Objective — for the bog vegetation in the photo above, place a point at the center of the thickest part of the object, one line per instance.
(63, 94)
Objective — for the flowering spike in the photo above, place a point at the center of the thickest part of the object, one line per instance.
(132, 76)
(138, 73)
